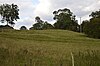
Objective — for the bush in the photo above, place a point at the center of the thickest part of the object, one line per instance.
(23, 28)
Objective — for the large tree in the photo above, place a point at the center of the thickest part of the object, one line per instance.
(92, 27)
(95, 14)
(64, 19)
(9, 13)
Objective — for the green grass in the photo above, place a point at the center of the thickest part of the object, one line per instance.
(43, 47)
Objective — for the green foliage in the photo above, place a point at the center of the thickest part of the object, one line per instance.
(47, 25)
(23, 28)
(38, 20)
(40, 25)
(65, 19)
(92, 27)
(84, 25)
(9, 13)
(95, 14)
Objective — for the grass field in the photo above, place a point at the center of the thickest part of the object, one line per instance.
(48, 48)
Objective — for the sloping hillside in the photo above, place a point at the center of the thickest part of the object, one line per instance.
(42, 47)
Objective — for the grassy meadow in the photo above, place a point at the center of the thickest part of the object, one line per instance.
(48, 48)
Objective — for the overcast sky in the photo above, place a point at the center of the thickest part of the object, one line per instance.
(29, 9)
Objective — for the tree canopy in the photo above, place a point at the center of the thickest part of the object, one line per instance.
(95, 14)
(9, 13)
(47, 25)
(64, 19)
(92, 27)
(40, 24)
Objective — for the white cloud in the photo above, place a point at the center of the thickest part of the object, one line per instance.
(29, 9)
(81, 8)
(43, 9)
(28, 22)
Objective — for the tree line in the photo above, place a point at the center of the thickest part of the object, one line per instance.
(92, 27)
(64, 19)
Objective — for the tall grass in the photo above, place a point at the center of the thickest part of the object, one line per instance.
(48, 48)
(87, 58)
(23, 57)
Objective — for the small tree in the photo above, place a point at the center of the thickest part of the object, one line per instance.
(23, 28)
(9, 13)
(39, 24)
